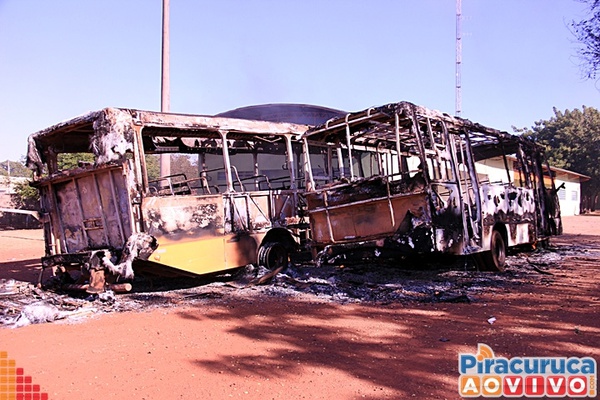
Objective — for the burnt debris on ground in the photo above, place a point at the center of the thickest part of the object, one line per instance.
(22, 303)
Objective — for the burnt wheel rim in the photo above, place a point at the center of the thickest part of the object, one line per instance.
(498, 249)
(273, 256)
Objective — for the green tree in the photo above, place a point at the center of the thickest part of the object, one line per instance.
(71, 160)
(182, 164)
(25, 196)
(14, 168)
(587, 33)
(153, 166)
(572, 141)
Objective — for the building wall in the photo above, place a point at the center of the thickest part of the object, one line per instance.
(494, 169)
(569, 195)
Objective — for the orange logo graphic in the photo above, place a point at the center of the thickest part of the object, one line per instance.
(14, 384)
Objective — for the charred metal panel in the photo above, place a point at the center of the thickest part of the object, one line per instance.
(418, 240)
(284, 206)
(507, 200)
(449, 240)
(236, 213)
(360, 212)
(241, 217)
(257, 209)
(54, 243)
(512, 206)
(553, 209)
(189, 231)
(94, 222)
(414, 234)
(241, 249)
(90, 210)
(70, 212)
(194, 235)
(196, 255)
(447, 217)
(34, 158)
(183, 216)
(113, 135)
(115, 206)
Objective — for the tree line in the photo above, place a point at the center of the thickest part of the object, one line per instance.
(571, 139)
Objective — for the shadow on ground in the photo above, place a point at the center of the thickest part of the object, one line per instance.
(21, 270)
(293, 337)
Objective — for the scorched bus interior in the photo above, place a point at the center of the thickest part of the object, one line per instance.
(406, 179)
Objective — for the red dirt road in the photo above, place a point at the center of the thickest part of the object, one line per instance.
(282, 348)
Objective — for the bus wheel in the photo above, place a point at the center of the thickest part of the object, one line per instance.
(495, 259)
(272, 256)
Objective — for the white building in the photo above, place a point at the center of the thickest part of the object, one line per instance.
(569, 193)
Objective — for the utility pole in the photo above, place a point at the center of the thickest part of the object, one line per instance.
(458, 93)
(165, 88)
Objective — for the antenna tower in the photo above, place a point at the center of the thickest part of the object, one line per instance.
(458, 92)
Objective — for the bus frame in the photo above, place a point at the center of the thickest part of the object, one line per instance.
(404, 180)
(106, 218)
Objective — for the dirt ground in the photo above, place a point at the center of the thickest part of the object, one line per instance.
(258, 345)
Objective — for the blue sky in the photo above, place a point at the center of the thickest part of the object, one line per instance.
(62, 58)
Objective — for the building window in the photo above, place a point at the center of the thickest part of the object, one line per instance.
(562, 194)
(574, 195)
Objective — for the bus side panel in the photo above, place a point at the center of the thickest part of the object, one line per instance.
(514, 208)
(190, 232)
(448, 219)
(374, 219)
(194, 233)
(242, 249)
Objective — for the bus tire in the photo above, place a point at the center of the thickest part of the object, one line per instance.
(273, 255)
(495, 258)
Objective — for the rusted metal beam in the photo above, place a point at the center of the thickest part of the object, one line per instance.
(115, 287)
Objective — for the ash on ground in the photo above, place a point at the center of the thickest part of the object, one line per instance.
(416, 281)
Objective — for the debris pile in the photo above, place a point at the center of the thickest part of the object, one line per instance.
(23, 304)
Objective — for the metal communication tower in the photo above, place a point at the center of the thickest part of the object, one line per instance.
(458, 94)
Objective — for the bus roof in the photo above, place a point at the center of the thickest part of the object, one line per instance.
(376, 127)
(80, 134)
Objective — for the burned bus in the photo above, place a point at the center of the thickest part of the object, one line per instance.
(107, 215)
(398, 179)
(403, 180)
